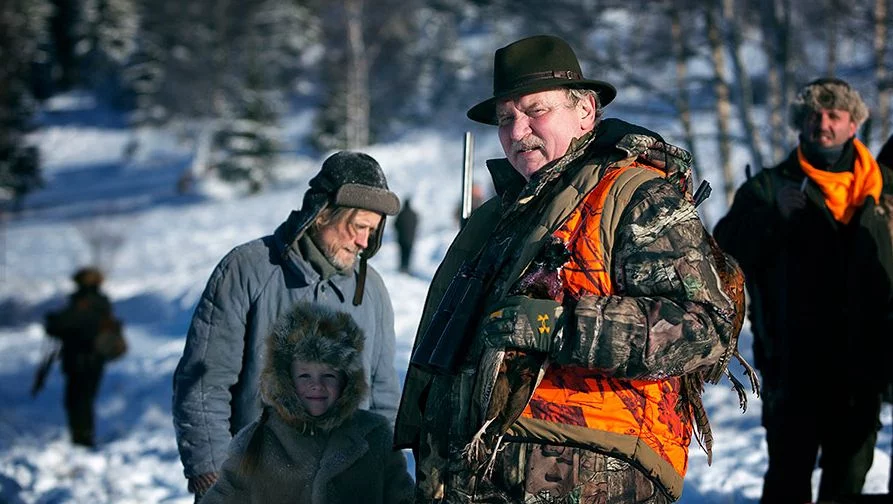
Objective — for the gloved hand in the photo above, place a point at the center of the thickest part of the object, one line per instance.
(790, 199)
(524, 323)
(200, 484)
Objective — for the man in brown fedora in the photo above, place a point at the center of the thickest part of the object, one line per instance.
(569, 330)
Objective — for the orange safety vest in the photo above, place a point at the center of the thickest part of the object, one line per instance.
(584, 398)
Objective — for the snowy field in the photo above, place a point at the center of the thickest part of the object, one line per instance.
(167, 246)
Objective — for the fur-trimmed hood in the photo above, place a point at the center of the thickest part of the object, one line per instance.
(314, 333)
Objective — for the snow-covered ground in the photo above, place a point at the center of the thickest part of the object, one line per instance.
(168, 245)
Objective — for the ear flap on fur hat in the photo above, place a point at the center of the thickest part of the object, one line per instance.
(314, 333)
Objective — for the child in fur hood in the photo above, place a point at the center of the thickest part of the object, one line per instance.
(312, 444)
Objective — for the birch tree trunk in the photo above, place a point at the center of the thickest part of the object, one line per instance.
(745, 94)
(682, 99)
(723, 107)
(769, 27)
(357, 98)
(776, 40)
(880, 69)
(221, 32)
(786, 61)
(831, 42)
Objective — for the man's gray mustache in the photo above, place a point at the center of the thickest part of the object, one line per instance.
(526, 145)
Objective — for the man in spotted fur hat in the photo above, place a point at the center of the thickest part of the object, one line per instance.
(812, 235)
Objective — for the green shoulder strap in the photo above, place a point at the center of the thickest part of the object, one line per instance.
(617, 199)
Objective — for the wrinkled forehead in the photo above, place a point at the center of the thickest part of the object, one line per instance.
(366, 218)
(831, 112)
(550, 97)
(338, 216)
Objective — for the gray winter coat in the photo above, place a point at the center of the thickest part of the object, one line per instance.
(216, 381)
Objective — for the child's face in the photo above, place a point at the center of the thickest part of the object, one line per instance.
(319, 385)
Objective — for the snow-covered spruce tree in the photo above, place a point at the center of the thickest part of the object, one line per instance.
(109, 28)
(214, 67)
(388, 64)
(246, 145)
(106, 32)
(22, 30)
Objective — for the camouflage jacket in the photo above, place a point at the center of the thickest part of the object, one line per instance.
(669, 318)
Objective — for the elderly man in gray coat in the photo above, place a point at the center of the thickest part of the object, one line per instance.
(318, 254)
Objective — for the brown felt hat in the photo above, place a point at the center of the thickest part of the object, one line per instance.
(535, 64)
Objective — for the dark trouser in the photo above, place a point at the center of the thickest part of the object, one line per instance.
(845, 428)
(81, 387)
(888, 398)
(405, 256)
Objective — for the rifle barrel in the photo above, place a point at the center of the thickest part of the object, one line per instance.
(467, 176)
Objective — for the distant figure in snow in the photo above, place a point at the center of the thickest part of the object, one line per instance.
(477, 199)
(78, 326)
(130, 149)
(477, 196)
(813, 239)
(318, 254)
(405, 224)
(312, 443)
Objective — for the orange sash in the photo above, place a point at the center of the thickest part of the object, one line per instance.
(846, 191)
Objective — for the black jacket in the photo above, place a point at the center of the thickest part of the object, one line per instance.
(820, 290)
(77, 325)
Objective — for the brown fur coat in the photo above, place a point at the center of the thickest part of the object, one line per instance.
(330, 459)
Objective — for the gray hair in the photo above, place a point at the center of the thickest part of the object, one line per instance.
(827, 93)
(332, 215)
(577, 94)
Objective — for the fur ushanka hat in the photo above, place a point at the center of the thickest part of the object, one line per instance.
(828, 93)
(314, 333)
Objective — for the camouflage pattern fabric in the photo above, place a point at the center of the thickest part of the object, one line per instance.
(670, 317)
(663, 262)
(547, 474)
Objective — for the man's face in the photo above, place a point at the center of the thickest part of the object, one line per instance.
(537, 128)
(828, 128)
(342, 241)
